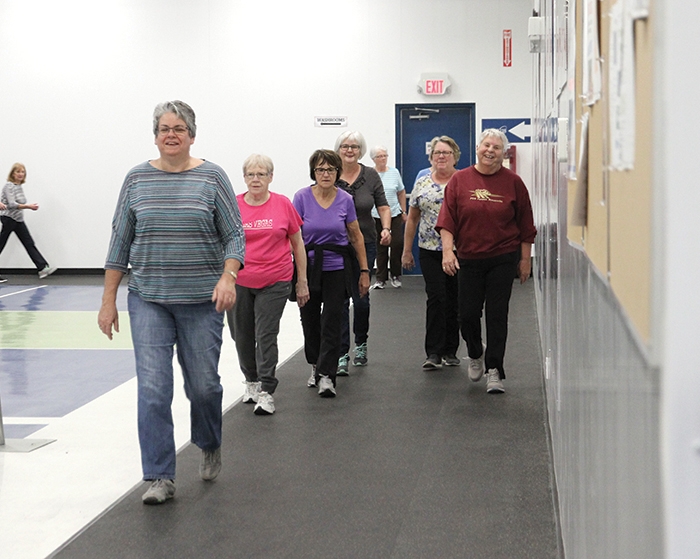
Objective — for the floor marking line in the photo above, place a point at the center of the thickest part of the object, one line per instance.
(23, 291)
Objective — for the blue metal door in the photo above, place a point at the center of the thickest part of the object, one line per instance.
(417, 125)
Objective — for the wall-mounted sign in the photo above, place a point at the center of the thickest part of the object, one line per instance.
(517, 130)
(330, 121)
(507, 48)
(434, 84)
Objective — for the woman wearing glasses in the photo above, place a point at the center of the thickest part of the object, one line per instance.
(271, 226)
(335, 246)
(487, 217)
(366, 188)
(441, 323)
(177, 224)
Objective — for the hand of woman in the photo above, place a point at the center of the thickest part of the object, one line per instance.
(450, 264)
(407, 260)
(302, 291)
(108, 317)
(224, 293)
(524, 269)
(364, 284)
(385, 239)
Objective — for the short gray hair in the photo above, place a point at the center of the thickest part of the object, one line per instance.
(494, 132)
(352, 136)
(180, 109)
(258, 160)
(376, 149)
(456, 152)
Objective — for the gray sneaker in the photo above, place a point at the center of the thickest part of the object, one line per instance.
(325, 387)
(451, 360)
(360, 359)
(343, 365)
(210, 466)
(476, 367)
(311, 383)
(252, 389)
(46, 272)
(265, 405)
(160, 491)
(494, 384)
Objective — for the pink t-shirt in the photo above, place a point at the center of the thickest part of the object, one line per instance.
(268, 253)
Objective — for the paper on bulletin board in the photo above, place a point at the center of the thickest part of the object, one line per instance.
(579, 213)
(592, 82)
(622, 87)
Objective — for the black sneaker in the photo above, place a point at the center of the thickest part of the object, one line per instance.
(2, 279)
(451, 360)
(432, 362)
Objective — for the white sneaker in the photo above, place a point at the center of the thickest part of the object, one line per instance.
(311, 383)
(210, 465)
(160, 491)
(476, 368)
(325, 387)
(46, 272)
(252, 390)
(265, 405)
(494, 384)
(379, 285)
(395, 281)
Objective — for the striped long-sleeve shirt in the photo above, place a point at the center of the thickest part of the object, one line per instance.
(175, 230)
(12, 196)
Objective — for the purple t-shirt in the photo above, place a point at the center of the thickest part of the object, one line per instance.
(325, 226)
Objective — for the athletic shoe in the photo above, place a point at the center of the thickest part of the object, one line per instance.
(451, 360)
(160, 491)
(476, 367)
(2, 279)
(311, 383)
(46, 272)
(210, 466)
(343, 366)
(379, 285)
(432, 362)
(252, 390)
(360, 359)
(396, 281)
(494, 384)
(325, 387)
(265, 405)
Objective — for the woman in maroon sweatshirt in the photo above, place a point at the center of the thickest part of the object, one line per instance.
(487, 218)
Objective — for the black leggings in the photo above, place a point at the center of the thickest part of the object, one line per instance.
(9, 225)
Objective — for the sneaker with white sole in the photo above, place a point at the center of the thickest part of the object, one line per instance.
(2, 279)
(476, 368)
(379, 285)
(252, 390)
(343, 366)
(265, 405)
(432, 362)
(360, 359)
(160, 491)
(494, 384)
(451, 360)
(46, 272)
(396, 281)
(210, 466)
(325, 387)
(311, 383)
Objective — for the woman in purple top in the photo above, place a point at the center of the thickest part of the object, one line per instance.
(333, 243)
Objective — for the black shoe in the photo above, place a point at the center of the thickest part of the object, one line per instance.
(432, 362)
(451, 360)
(2, 279)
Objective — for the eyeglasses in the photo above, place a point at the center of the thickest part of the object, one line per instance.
(179, 130)
(347, 147)
(445, 153)
(325, 170)
(251, 176)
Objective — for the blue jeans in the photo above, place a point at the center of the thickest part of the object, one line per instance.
(360, 308)
(155, 329)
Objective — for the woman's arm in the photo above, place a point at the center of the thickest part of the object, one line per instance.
(450, 264)
(358, 243)
(525, 265)
(224, 294)
(407, 260)
(401, 195)
(385, 217)
(302, 287)
(108, 315)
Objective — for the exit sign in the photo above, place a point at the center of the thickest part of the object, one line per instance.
(434, 84)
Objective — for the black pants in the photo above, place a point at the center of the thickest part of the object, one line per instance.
(386, 263)
(9, 225)
(320, 320)
(490, 281)
(441, 318)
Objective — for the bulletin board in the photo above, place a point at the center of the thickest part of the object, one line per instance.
(616, 233)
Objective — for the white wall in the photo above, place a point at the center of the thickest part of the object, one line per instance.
(79, 80)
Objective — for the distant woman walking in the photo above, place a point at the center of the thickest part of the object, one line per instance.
(15, 201)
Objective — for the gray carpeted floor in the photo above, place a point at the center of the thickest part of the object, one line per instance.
(402, 464)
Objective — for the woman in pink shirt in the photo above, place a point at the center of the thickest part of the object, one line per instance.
(272, 232)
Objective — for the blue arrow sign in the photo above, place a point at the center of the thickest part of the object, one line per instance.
(517, 130)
